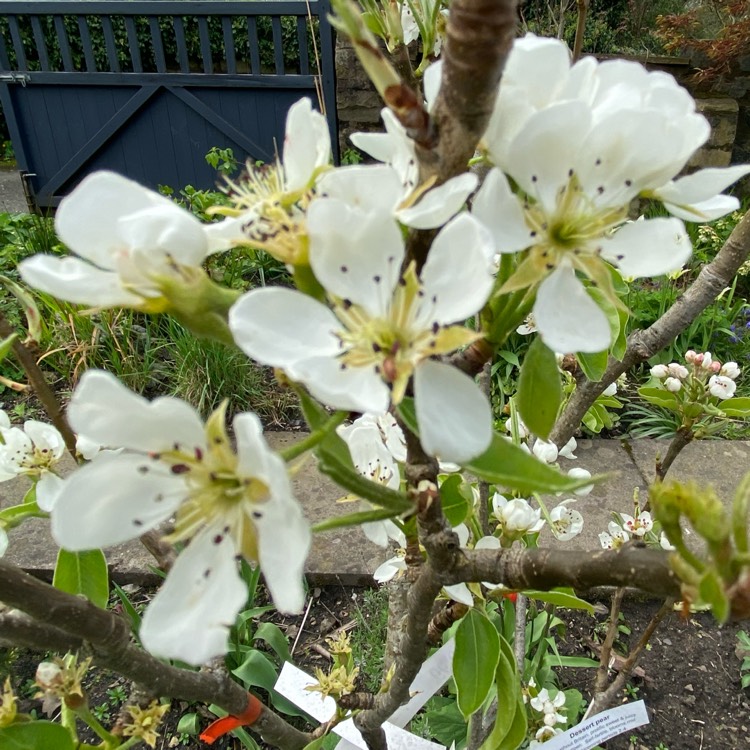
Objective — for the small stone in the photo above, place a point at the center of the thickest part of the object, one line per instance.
(689, 688)
(666, 641)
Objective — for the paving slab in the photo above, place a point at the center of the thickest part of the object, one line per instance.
(346, 556)
(12, 198)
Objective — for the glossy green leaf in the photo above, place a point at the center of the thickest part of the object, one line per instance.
(446, 723)
(659, 397)
(736, 407)
(6, 345)
(36, 735)
(475, 660)
(272, 635)
(508, 688)
(353, 519)
(316, 744)
(593, 365)
(575, 661)
(712, 592)
(539, 389)
(562, 597)
(83, 573)
(517, 733)
(189, 724)
(258, 671)
(455, 503)
(509, 466)
(128, 608)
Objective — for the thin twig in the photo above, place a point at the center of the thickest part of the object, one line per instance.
(583, 10)
(602, 673)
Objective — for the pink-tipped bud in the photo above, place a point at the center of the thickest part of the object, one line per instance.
(698, 360)
(690, 355)
(715, 366)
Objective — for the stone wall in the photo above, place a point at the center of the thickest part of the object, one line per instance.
(727, 107)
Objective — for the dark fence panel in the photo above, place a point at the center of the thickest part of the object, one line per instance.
(148, 87)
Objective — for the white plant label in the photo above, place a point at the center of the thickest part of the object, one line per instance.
(293, 683)
(600, 728)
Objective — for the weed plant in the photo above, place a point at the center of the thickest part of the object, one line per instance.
(368, 638)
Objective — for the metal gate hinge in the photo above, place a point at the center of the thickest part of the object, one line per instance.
(21, 78)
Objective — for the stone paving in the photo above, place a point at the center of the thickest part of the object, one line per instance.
(12, 199)
(346, 556)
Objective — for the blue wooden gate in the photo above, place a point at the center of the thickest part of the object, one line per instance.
(148, 87)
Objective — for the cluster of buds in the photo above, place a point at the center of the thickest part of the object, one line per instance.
(59, 682)
(549, 709)
(721, 377)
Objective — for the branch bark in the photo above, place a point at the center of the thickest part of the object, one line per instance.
(59, 614)
(643, 344)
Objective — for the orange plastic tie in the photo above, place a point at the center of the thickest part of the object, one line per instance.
(223, 726)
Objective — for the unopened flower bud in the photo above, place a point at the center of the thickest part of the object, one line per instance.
(730, 370)
(690, 355)
(677, 370)
(672, 384)
(706, 360)
(715, 366)
(49, 676)
(545, 451)
(610, 390)
(659, 371)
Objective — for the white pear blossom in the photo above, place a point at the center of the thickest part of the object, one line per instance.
(460, 592)
(567, 450)
(269, 202)
(515, 517)
(382, 328)
(638, 526)
(229, 502)
(614, 537)
(545, 451)
(721, 386)
(730, 370)
(372, 458)
(572, 140)
(33, 451)
(3, 541)
(391, 568)
(676, 370)
(128, 243)
(567, 523)
(673, 385)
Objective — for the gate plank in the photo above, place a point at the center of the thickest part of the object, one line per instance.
(62, 38)
(88, 50)
(135, 50)
(15, 35)
(252, 40)
(278, 45)
(109, 43)
(229, 50)
(157, 44)
(208, 64)
(39, 43)
(179, 35)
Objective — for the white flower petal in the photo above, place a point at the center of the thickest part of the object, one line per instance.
(455, 419)
(3, 542)
(373, 187)
(86, 220)
(708, 210)
(252, 448)
(460, 593)
(567, 319)
(648, 248)
(76, 281)
(112, 500)
(48, 489)
(190, 617)
(280, 327)
(454, 291)
(307, 144)
(439, 204)
(226, 234)
(352, 388)
(389, 569)
(283, 540)
(45, 437)
(701, 185)
(104, 410)
(355, 254)
(500, 211)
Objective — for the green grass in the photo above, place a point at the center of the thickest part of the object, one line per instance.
(368, 638)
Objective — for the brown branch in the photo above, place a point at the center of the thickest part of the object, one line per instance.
(583, 11)
(607, 698)
(17, 629)
(39, 384)
(643, 344)
(109, 639)
(478, 39)
(602, 673)
(631, 565)
(683, 438)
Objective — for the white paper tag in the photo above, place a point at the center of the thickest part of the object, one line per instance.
(397, 739)
(600, 728)
(292, 684)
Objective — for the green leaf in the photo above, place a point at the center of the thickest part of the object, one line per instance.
(509, 466)
(445, 723)
(35, 736)
(6, 345)
(83, 573)
(316, 744)
(659, 397)
(539, 389)
(517, 732)
(189, 724)
(258, 671)
(272, 635)
(593, 365)
(353, 519)
(736, 407)
(507, 696)
(745, 680)
(712, 592)
(475, 661)
(128, 608)
(455, 503)
(575, 661)
(561, 597)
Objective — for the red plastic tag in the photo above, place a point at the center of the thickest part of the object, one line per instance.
(220, 727)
